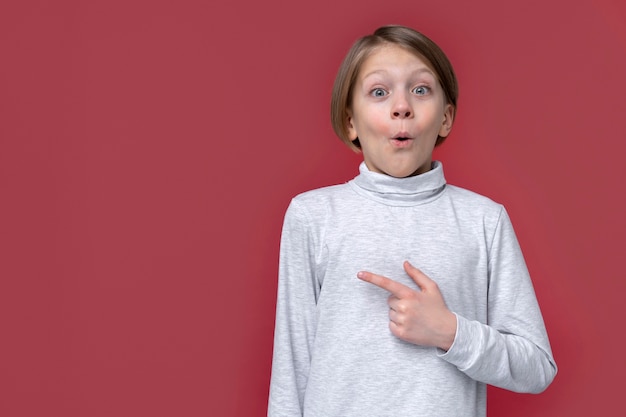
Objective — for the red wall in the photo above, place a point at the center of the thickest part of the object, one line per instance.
(148, 151)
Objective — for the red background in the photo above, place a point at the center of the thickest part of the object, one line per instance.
(148, 151)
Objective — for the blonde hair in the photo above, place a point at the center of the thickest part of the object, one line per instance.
(405, 37)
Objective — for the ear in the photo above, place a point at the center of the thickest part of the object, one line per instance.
(448, 119)
(352, 134)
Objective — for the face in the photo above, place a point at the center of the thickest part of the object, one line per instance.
(398, 110)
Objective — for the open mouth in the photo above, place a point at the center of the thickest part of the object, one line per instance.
(401, 137)
(402, 142)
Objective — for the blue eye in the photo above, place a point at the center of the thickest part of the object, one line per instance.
(422, 90)
(378, 92)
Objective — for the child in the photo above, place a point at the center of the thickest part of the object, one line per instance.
(360, 330)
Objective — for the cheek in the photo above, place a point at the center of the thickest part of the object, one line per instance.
(368, 118)
(431, 119)
(373, 123)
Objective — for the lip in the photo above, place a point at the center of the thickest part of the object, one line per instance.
(402, 134)
(406, 140)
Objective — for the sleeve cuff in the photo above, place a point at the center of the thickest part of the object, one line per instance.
(459, 353)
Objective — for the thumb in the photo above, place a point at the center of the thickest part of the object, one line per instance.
(421, 279)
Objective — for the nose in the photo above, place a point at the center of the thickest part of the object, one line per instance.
(401, 108)
(402, 114)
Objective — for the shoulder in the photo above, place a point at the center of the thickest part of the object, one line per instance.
(321, 197)
(463, 195)
(331, 191)
(315, 203)
(470, 204)
(312, 211)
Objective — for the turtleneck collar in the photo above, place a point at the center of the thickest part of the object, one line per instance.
(410, 191)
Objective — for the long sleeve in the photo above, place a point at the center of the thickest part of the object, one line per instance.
(511, 350)
(295, 315)
(333, 352)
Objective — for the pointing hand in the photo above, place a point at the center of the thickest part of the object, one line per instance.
(418, 317)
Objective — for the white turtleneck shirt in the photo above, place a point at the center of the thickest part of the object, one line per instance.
(334, 355)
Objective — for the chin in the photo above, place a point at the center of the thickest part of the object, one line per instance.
(410, 167)
(403, 173)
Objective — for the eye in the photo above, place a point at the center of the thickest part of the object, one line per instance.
(422, 90)
(378, 92)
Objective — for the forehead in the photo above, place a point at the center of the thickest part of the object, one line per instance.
(393, 58)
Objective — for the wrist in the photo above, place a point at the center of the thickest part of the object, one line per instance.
(448, 332)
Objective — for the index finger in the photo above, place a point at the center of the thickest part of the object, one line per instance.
(395, 288)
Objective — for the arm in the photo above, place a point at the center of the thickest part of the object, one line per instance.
(511, 350)
(295, 316)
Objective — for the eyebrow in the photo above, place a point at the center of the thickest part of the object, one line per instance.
(417, 71)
